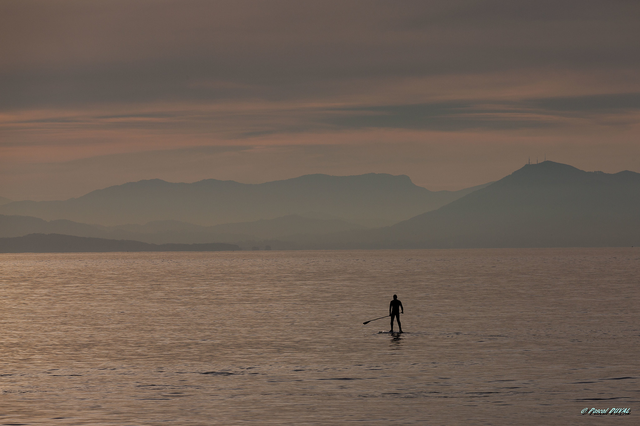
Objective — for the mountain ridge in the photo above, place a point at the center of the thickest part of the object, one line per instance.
(539, 205)
(547, 204)
(163, 232)
(57, 243)
(374, 199)
(543, 205)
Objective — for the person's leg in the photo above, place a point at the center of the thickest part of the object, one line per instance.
(392, 323)
(399, 325)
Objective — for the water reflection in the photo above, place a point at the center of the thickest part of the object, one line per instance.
(396, 341)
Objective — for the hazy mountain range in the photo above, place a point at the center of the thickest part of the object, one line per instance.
(55, 243)
(541, 205)
(168, 231)
(369, 200)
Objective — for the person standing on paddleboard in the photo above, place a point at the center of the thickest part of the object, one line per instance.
(394, 311)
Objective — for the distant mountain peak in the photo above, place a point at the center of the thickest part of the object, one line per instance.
(129, 186)
(547, 172)
(147, 182)
(551, 172)
(549, 166)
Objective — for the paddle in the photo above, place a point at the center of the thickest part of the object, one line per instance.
(367, 322)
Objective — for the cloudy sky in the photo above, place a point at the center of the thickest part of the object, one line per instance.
(452, 93)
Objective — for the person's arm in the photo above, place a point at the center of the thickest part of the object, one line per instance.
(402, 307)
(390, 306)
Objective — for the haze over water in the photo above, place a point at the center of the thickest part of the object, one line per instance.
(498, 337)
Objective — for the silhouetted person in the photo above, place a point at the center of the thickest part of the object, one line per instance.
(394, 311)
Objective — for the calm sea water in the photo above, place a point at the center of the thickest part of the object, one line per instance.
(495, 337)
